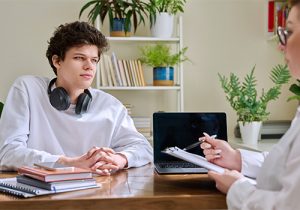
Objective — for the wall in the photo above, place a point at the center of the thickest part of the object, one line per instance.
(222, 35)
(226, 36)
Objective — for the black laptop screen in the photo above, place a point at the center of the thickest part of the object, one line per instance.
(182, 129)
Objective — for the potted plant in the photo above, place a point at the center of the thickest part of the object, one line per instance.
(160, 58)
(162, 14)
(120, 13)
(250, 109)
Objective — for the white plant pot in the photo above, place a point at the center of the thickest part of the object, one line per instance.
(250, 132)
(163, 26)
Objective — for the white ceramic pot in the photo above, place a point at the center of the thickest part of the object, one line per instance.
(163, 26)
(250, 132)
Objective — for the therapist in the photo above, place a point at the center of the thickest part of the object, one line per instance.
(277, 173)
(63, 119)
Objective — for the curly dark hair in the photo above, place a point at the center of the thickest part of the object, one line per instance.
(71, 35)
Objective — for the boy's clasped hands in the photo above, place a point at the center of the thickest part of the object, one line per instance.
(101, 160)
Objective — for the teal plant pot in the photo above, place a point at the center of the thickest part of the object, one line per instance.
(163, 76)
(117, 28)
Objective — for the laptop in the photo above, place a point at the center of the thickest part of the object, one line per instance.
(182, 129)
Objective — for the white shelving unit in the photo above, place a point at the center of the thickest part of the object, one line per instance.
(176, 42)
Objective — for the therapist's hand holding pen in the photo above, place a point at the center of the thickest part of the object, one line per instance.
(220, 153)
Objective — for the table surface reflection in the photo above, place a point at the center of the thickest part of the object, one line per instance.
(135, 188)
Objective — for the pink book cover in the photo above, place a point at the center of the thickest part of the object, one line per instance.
(58, 175)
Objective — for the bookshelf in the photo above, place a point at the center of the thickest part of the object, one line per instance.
(276, 14)
(136, 41)
(147, 93)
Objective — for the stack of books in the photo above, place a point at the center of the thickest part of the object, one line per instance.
(34, 181)
(143, 126)
(129, 108)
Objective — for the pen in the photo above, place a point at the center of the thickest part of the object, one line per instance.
(198, 143)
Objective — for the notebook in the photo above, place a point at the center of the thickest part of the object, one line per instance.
(51, 176)
(180, 129)
(56, 186)
(12, 187)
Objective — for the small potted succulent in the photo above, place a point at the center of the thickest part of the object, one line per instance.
(251, 109)
(159, 57)
(122, 14)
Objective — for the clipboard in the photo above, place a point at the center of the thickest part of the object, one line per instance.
(197, 160)
(193, 158)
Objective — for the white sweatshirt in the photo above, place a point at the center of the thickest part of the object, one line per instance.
(277, 175)
(31, 130)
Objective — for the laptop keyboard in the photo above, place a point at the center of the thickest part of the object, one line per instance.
(178, 165)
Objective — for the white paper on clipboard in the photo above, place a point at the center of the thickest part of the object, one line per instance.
(197, 160)
(193, 158)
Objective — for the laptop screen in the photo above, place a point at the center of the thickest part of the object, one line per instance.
(182, 129)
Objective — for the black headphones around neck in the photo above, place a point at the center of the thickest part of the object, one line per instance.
(60, 99)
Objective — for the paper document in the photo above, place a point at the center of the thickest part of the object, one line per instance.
(193, 158)
(196, 159)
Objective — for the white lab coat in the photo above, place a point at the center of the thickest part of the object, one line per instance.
(278, 176)
(31, 130)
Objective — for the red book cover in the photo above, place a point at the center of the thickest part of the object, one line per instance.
(271, 17)
(280, 16)
(51, 176)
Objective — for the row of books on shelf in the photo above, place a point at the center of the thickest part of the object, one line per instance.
(117, 72)
(34, 181)
(277, 14)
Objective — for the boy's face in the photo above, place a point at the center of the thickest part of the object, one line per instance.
(77, 70)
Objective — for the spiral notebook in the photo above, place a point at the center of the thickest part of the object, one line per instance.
(11, 186)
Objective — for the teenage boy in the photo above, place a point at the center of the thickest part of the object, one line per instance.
(64, 119)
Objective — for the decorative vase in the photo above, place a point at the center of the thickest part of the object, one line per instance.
(163, 26)
(250, 132)
(163, 76)
(117, 28)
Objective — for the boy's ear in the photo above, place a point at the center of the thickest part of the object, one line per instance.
(56, 61)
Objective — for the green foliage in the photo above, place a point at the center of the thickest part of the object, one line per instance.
(170, 6)
(127, 9)
(295, 88)
(159, 55)
(1, 107)
(243, 96)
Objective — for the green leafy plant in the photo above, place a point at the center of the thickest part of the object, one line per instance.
(169, 6)
(127, 9)
(295, 88)
(243, 97)
(159, 55)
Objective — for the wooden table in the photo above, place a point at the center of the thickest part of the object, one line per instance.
(136, 188)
